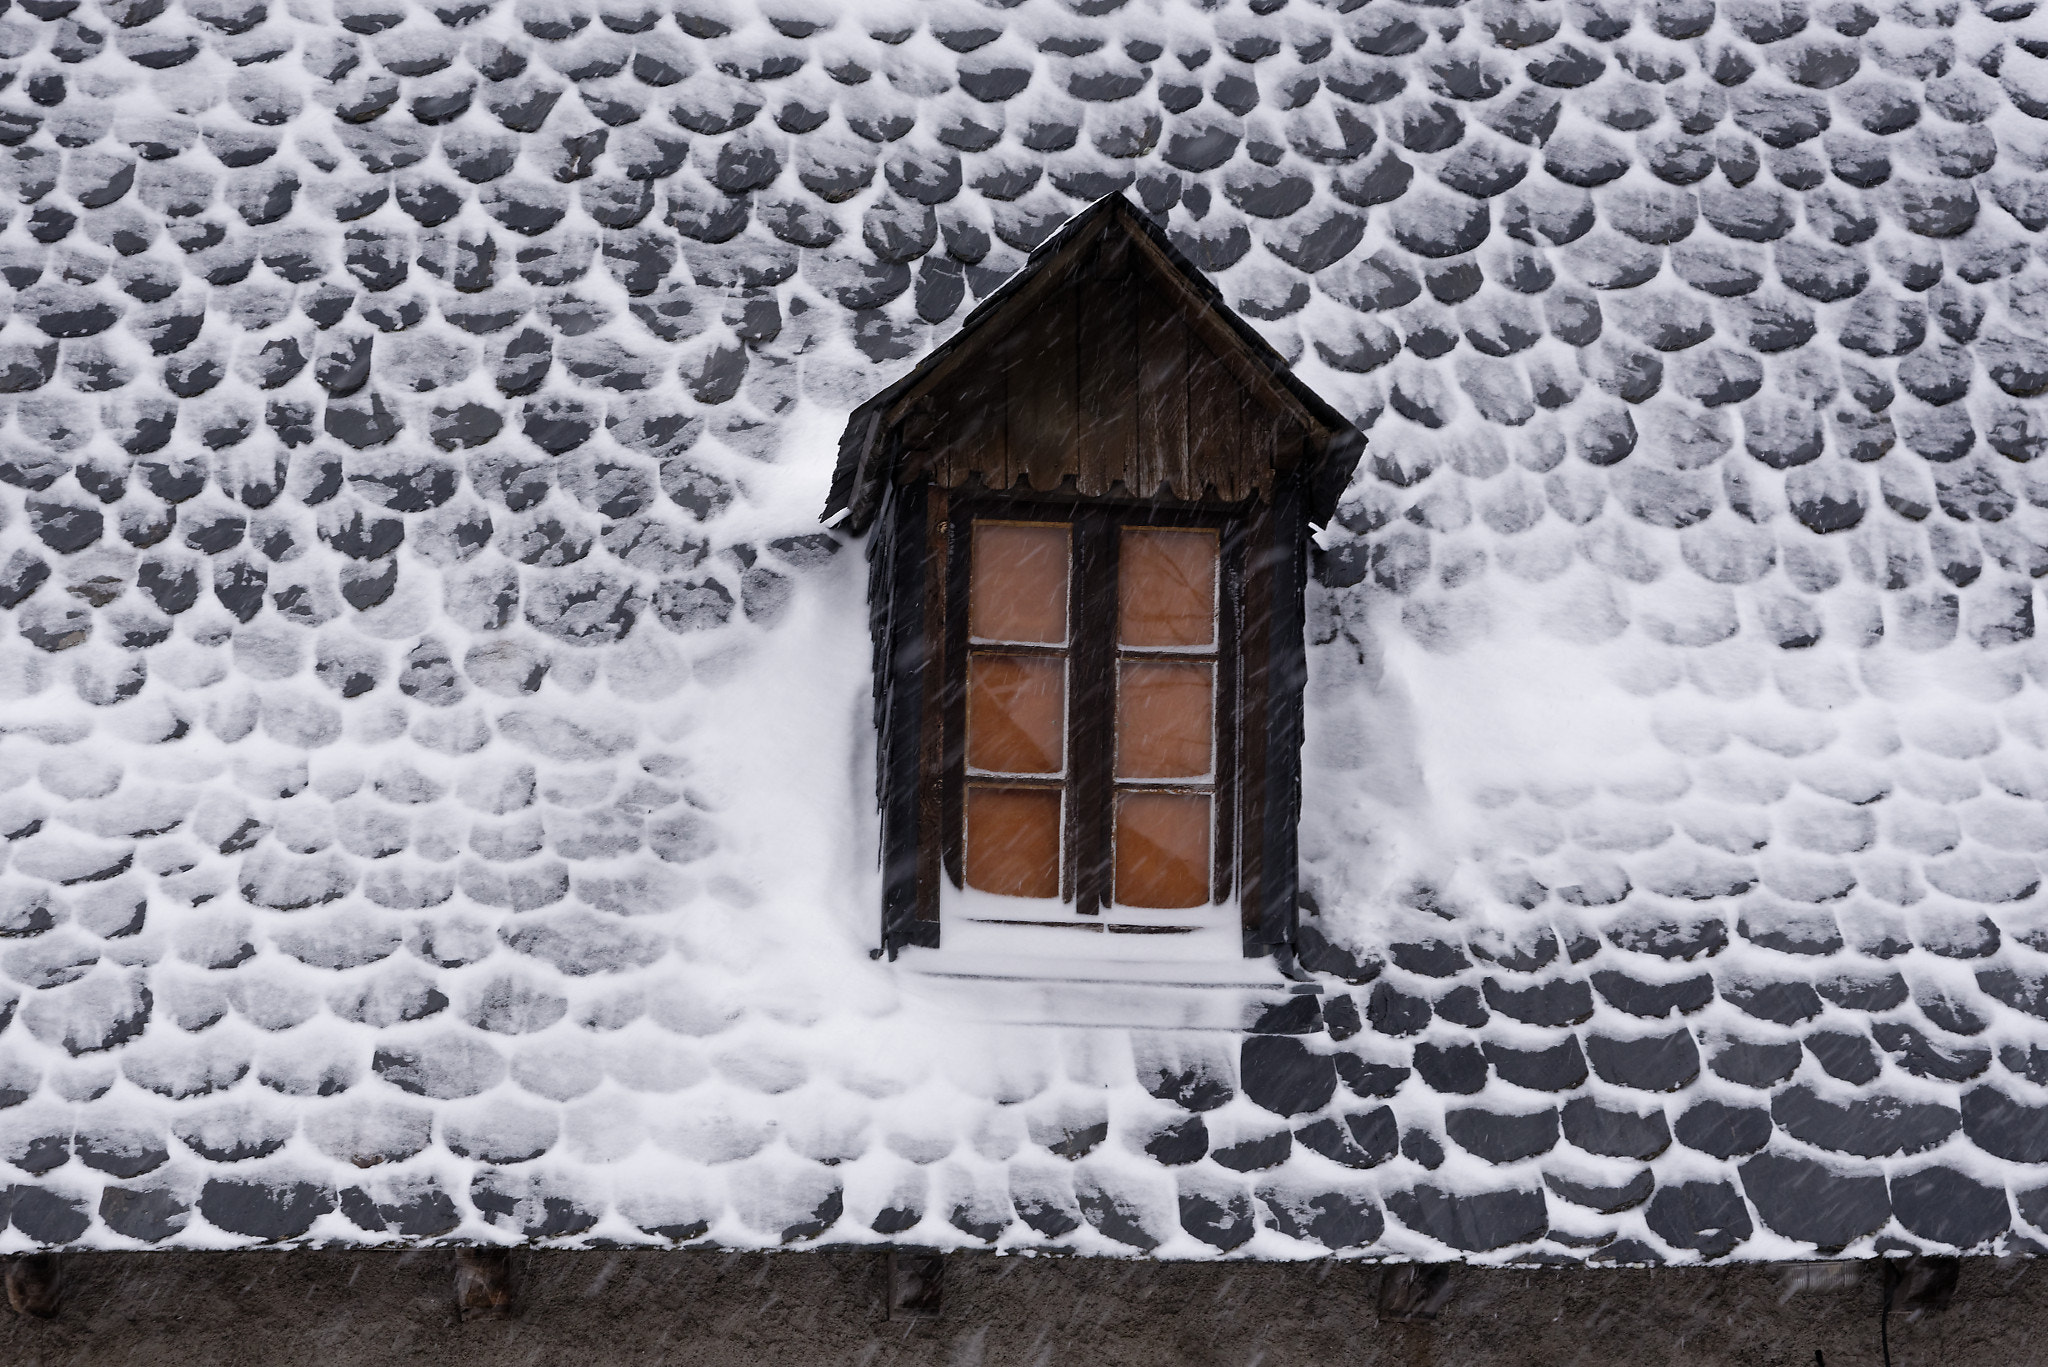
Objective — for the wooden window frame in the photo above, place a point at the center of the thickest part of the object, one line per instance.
(1092, 652)
(917, 577)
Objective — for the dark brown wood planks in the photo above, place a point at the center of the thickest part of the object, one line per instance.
(1107, 331)
(1106, 382)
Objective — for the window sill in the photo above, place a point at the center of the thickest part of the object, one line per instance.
(1025, 977)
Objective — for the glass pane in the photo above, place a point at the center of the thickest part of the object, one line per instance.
(1166, 587)
(1019, 582)
(1162, 850)
(1016, 713)
(1165, 718)
(1013, 841)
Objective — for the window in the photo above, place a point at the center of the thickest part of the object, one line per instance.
(1087, 519)
(1027, 833)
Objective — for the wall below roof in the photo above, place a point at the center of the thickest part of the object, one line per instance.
(343, 1308)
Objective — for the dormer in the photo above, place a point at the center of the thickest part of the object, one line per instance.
(1088, 519)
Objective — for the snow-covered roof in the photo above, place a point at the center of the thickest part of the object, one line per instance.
(436, 762)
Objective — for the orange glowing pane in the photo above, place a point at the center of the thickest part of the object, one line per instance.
(1166, 587)
(1165, 718)
(1162, 850)
(1018, 589)
(1013, 841)
(1016, 713)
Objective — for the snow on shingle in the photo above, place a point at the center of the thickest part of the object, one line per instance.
(428, 768)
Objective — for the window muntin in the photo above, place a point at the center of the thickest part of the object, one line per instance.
(1018, 591)
(1154, 676)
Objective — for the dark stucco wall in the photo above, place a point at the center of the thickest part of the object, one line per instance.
(583, 1309)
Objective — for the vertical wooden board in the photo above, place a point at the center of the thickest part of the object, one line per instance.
(996, 421)
(1107, 347)
(1229, 475)
(1059, 458)
(1042, 381)
(917, 442)
(1229, 720)
(1162, 394)
(1214, 400)
(1001, 470)
(1253, 681)
(900, 757)
(952, 810)
(1255, 449)
(991, 400)
(1290, 443)
(1091, 741)
(931, 730)
(1286, 676)
(970, 434)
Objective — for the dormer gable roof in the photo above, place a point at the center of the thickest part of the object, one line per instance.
(1111, 363)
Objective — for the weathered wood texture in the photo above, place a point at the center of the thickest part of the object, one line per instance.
(1232, 801)
(1108, 367)
(897, 615)
(953, 743)
(1092, 710)
(938, 665)
(1111, 383)
(1270, 917)
(1253, 694)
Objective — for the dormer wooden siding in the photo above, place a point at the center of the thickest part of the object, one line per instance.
(1110, 362)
